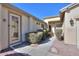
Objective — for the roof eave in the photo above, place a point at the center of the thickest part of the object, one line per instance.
(68, 7)
(16, 8)
(50, 17)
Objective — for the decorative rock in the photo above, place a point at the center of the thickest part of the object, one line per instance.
(34, 45)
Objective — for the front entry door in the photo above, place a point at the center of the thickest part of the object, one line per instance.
(14, 28)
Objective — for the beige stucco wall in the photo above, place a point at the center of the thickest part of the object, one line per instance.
(52, 20)
(45, 24)
(0, 27)
(4, 29)
(25, 26)
(70, 31)
(4, 25)
(28, 25)
(32, 24)
(38, 26)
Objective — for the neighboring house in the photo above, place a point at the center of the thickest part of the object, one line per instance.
(53, 22)
(70, 17)
(14, 23)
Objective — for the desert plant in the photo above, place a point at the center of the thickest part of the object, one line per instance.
(31, 37)
(47, 32)
(34, 37)
(58, 33)
(39, 36)
(44, 34)
(50, 34)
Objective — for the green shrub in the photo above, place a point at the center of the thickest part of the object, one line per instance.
(39, 36)
(44, 33)
(34, 37)
(50, 34)
(30, 37)
(58, 33)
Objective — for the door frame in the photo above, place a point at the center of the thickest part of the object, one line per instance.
(77, 20)
(9, 28)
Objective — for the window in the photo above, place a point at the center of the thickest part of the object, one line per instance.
(15, 26)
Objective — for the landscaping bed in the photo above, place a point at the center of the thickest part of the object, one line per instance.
(37, 36)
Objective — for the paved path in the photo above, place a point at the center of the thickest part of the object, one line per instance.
(65, 49)
(40, 50)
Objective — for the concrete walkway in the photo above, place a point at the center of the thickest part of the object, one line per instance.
(40, 50)
(65, 49)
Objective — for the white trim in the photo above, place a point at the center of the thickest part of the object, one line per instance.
(68, 7)
(11, 46)
(19, 33)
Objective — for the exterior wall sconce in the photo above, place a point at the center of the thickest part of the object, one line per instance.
(71, 22)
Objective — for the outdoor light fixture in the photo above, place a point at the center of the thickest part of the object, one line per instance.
(71, 22)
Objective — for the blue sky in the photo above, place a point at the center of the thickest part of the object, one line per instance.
(41, 10)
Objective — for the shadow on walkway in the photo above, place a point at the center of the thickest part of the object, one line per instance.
(44, 41)
(16, 46)
(27, 44)
(6, 50)
(22, 45)
(17, 54)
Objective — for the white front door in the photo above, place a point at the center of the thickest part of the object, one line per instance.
(14, 28)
